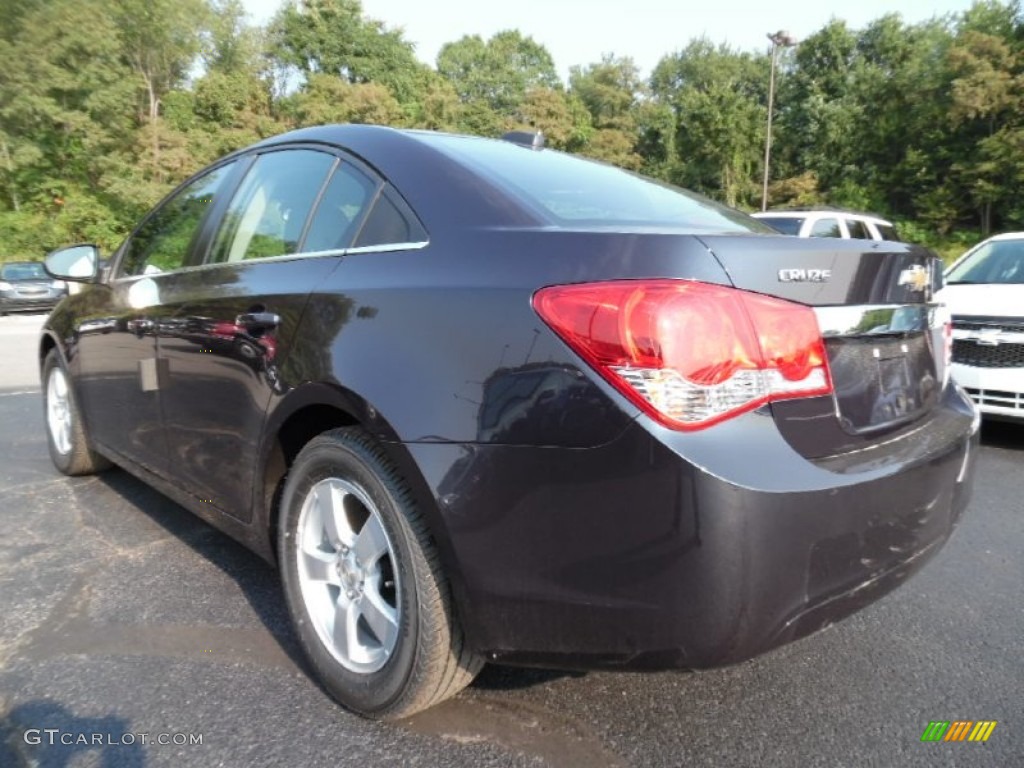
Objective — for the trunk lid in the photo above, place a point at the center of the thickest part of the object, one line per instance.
(884, 334)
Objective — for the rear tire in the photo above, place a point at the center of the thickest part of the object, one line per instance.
(364, 583)
(65, 432)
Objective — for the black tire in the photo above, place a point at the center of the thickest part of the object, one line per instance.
(430, 660)
(77, 458)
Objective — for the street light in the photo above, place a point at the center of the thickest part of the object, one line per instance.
(780, 39)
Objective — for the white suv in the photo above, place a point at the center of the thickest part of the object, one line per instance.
(985, 294)
(826, 223)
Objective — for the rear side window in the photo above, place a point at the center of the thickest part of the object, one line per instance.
(268, 213)
(390, 223)
(887, 231)
(162, 243)
(826, 228)
(787, 225)
(857, 229)
(572, 191)
(340, 210)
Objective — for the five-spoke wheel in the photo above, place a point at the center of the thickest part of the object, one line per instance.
(347, 575)
(364, 582)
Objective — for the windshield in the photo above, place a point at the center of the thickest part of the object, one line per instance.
(26, 271)
(999, 261)
(571, 191)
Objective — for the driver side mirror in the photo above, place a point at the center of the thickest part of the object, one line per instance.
(79, 263)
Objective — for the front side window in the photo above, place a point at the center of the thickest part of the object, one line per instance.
(1001, 261)
(162, 243)
(268, 213)
(826, 228)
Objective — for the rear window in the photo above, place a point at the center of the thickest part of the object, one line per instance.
(571, 191)
(23, 272)
(1001, 261)
(787, 225)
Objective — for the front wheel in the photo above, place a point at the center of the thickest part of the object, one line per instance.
(65, 433)
(364, 584)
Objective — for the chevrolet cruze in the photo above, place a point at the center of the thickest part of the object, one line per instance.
(483, 401)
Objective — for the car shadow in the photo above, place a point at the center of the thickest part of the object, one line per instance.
(259, 582)
(257, 579)
(1002, 434)
(495, 677)
(44, 732)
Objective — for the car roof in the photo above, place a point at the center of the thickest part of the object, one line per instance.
(448, 189)
(793, 213)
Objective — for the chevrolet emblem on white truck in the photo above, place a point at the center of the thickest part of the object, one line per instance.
(916, 278)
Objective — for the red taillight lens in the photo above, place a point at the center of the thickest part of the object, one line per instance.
(690, 354)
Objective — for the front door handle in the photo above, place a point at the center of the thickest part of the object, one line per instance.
(258, 322)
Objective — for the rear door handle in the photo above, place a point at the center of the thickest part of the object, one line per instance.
(257, 322)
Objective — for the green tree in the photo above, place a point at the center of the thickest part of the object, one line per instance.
(717, 97)
(496, 74)
(333, 37)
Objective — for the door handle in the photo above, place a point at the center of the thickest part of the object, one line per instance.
(258, 322)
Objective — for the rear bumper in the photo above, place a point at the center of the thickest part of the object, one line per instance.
(665, 549)
(997, 392)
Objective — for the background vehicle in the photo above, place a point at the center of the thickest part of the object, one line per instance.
(525, 407)
(25, 287)
(985, 293)
(829, 223)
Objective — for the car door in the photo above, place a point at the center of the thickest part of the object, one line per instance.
(119, 379)
(234, 320)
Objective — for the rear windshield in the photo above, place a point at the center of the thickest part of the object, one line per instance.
(1001, 261)
(31, 271)
(787, 225)
(574, 192)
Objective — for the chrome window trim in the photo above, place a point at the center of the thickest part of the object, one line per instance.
(384, 248)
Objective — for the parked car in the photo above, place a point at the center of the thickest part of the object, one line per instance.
(25, 287)
(985, 293)
(526, 407)
(829, 223)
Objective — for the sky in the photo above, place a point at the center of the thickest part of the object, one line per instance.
(580, 31)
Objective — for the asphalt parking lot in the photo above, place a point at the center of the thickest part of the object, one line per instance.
(121, 615)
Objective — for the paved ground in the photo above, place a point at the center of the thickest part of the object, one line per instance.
(122, 614)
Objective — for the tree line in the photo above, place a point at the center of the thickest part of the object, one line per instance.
(105, 105)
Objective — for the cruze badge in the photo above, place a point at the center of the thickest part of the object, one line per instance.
(916, 278)
(804, 275)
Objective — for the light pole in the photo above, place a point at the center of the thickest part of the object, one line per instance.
(780, 39)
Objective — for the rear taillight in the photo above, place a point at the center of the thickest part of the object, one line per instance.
(690, 354)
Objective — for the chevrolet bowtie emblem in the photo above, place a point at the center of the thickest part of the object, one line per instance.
(916, 278)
